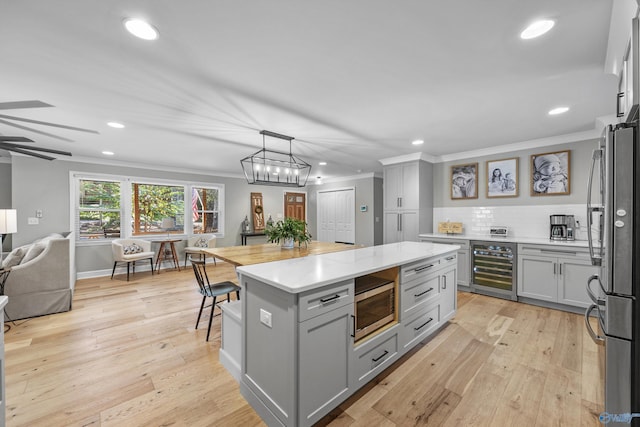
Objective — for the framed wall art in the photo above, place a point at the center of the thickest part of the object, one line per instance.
(502, 178)
(464, 181)
(550, 173)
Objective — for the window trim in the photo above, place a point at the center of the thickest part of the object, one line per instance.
(126, 205)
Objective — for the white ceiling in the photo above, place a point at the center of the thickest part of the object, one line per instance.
(353, 81)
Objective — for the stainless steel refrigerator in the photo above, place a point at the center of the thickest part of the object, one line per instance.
(613, 217)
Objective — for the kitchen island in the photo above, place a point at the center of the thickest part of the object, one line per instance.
(300, 357)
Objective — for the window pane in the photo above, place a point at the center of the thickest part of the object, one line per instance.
(207, 223)
(99, 224)
(153, 203)
(204, 207)
(99, 194)
(211, 199)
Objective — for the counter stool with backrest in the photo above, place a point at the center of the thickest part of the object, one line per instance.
(130, 251)
(211, 290)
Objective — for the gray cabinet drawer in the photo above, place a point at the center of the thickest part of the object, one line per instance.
(371, 360)
(464, 244)
(417, 328)
(418, 293)
(417, 271)
(554, 251)
(320, 301)
(451, 259)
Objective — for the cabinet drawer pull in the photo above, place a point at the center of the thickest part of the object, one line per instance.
(375, 359)
(323, 300)
(449, 258)
(353, 319)
(554, 251)
(422, 293)
(424, 324)
(423, 268)
(444, 282)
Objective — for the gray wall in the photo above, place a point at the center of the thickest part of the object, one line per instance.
(38, 184)
(5, 196)
(368, 192)
(579, 170)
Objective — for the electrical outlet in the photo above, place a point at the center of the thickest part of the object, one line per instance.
(38, 213)
(265, 318)
(33, 221)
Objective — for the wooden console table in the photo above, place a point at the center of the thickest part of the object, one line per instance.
(243, 236)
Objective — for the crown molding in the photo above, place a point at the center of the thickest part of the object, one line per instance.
(408, 158)
(524, 145)
(369, 175)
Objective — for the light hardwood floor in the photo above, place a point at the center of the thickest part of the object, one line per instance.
(128, 355)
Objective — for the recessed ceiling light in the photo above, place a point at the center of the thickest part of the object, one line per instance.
(115, 125)
(537, 29)
(108, 153)
(323, 163)
(558, 110)
(417, 142)
(141, 29)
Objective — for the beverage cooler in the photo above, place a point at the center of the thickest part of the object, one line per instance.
(494, 269)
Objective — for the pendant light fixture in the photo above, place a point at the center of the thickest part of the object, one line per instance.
(271, 167)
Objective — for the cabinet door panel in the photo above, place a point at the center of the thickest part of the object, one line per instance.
(573, 277)
(409, 226)
(325, 355)
(537, 278)
(449, 286)
(392, 186)
(463, 267)
(410, 186)
(391, 227)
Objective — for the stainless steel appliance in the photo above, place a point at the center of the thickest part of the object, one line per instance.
(613, 212)
(561, 227)
(494, 269)
(375, 304)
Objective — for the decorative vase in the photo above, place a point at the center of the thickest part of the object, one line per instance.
(288, 243)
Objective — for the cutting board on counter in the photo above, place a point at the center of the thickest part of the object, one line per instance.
(450, 227)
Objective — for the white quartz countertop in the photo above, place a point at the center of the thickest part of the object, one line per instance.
(530, 240)
(314, 271)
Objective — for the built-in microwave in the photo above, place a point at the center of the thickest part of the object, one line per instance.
(375, 304)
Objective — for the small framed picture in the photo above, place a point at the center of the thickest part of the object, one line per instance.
(464, 181)
(550, 173)
(502, 178)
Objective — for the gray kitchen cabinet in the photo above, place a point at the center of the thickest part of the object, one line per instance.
(448, 288)
(419, 326)
(400, 226)
(407, 200)
(325, 362)
(464, 260)
(555, 275)
(401, 186)
(374, 356)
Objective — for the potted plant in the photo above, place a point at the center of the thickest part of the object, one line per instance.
(289, 231)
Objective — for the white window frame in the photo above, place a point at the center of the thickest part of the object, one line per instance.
(126, 205)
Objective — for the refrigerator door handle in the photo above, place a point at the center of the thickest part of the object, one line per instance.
(595, 337)
(592, 295)
(595, 259)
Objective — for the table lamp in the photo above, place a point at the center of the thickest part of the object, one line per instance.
(8, 225)
(167, 224)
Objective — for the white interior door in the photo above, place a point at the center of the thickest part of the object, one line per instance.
(336, 216)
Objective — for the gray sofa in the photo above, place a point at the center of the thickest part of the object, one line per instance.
(41, 281)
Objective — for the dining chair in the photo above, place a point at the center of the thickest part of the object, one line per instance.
(207, 289)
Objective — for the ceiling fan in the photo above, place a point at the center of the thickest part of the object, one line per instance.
(8, 142)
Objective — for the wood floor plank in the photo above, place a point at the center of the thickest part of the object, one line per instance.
(521, 398)
(128, 354)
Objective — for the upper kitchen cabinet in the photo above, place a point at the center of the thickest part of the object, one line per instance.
(408, 198)
(401, 187)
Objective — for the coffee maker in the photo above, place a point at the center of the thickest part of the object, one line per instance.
(562, 227)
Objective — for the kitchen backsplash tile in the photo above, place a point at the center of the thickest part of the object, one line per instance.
(523, 221)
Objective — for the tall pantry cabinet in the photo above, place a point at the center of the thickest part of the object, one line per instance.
(408, 199)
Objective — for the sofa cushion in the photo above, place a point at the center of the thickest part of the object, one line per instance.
(132, 249)
(36, 249)
(202, 242)
(14, 258)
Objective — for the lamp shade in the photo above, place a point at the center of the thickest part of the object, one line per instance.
(8, 221)
(167, 223)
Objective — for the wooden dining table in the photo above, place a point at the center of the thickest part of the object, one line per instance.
(256, 254)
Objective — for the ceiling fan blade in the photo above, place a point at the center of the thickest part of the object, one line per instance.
(15, 139)
(28, 147)
(38, 122)
(23, 104)
(35, 131)
(28, 153)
